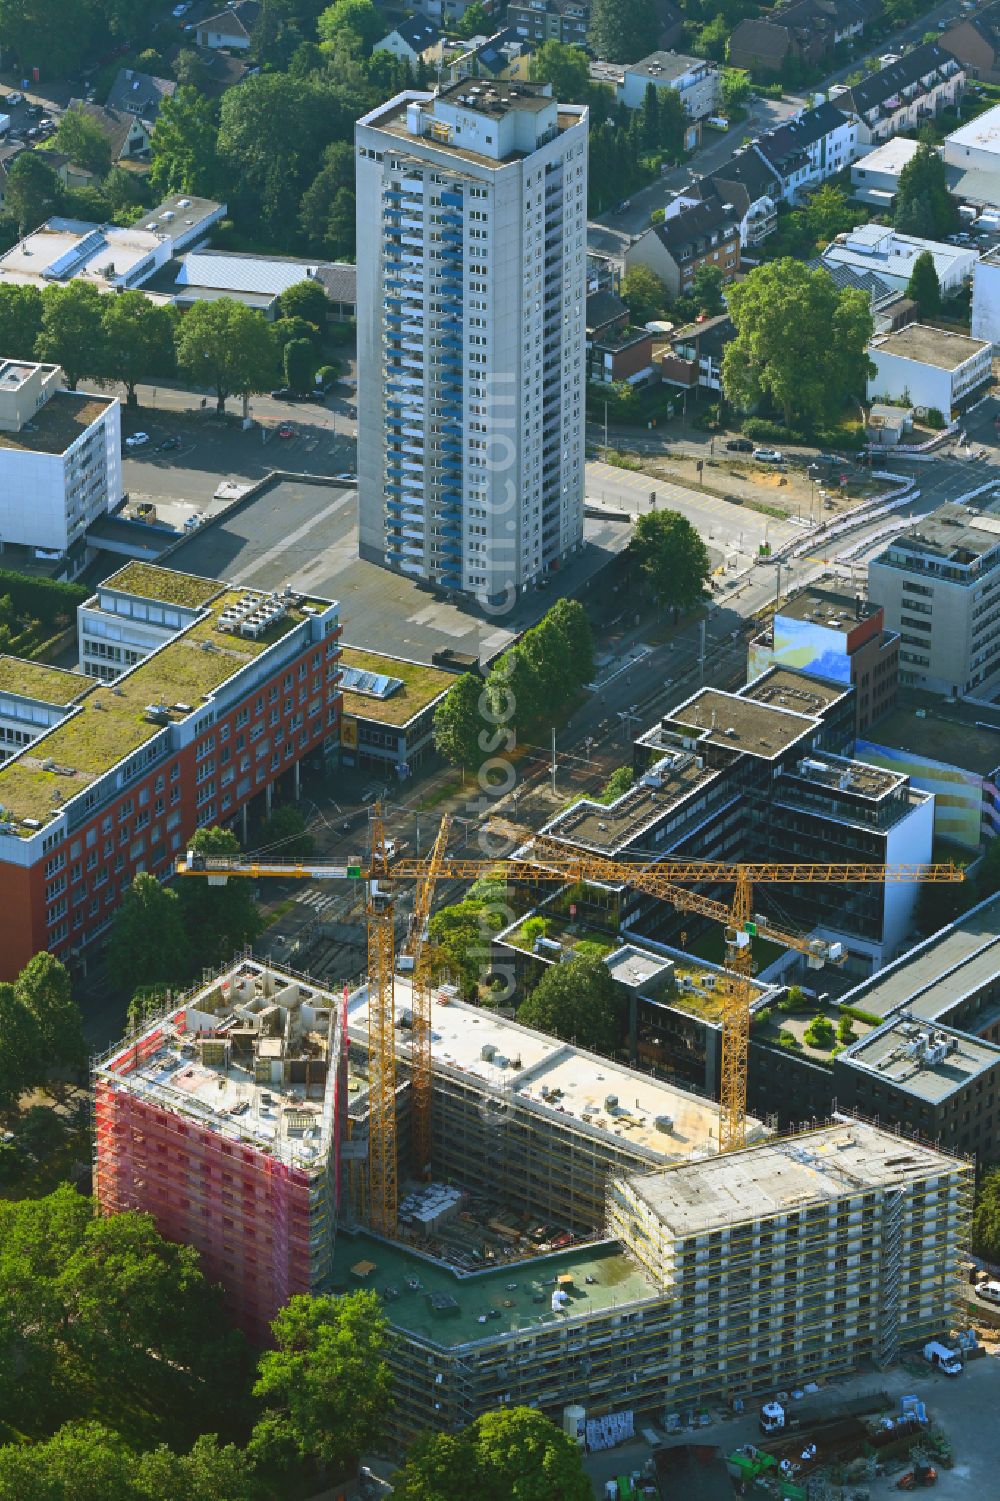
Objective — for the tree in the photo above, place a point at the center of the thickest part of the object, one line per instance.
(327, 213)
(183, 156)
(43, 989)
(21, 1063)
(800, 343)
(923, 285)
(565, 68)
(54, 37)
(986, 1218)
(218, 920)
(20, 319)
(307, 300)
(72, 332)
(460, 935)
(84, 142)
(84, 1460)
(227, 347)
(706, 291)
(712, 39)
(579, 1001)
(623, 31)
(358, 17)
(138, 338)
(326, 1386)
(475, 20)
(209, 1472)
(33, 192)
(672, 555)
(644, 295)
(299, 362)
(924, 207)
(736, 88)
(458, 721)
(512, 1454)
(829, 213)
(148, 943)
(286, 833)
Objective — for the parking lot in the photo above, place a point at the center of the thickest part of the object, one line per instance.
(30, 123)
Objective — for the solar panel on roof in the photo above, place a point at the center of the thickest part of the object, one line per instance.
(371, 684)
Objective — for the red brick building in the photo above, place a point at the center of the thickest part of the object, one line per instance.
(236, 688)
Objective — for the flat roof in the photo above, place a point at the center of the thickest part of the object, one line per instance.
(146, 581)
(935, 975)
(543, 1074)
(828, 607)
(943, 730)
(779, 1177)
(781, 688)
(634, 966)
(665, 65)
(219, 1089)
(497, 98)
(951, 532)
(305, 533)
(61, 249)
(890, 157)
(929, 346)
(14, 373)
(391, 116)
(609, 826)
(907, 1053)
(65, 416)
(513, 1298)
(422, 685)
(111, 721)
(982, 133)
(743, 724)
(49, 685)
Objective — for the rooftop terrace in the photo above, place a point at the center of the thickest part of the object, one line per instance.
(782, 1176)
(146, 581)
(421, 686)
(50, 685)
(56, 426)
(111, 721)
(742, 724)
(485, 1305)
(930, 1062)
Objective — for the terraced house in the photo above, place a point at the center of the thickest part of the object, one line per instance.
(224, 692)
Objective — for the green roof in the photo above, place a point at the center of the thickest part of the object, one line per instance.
(149, 582)
(92, 739)
(421, 686)
(526, 1285)
(51, 685)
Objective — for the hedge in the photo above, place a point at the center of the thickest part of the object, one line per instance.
(42, 599)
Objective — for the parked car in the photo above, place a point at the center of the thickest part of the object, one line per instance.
(168, 445)
(15, 98)
(769, 455)
(347, 478)
(137, 440)
(194, 521)
(739, 445)
(181, 9)
(286, 393)
(286, 430)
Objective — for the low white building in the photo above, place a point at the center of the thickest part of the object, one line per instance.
(976, 144)
(875, 178)
(699, 83)
(986, 298)
(60, 459)
(811, 147)
(929, 368)
(891, 256)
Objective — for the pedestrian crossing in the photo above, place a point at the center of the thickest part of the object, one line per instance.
(319, 901)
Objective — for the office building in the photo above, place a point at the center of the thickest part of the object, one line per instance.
(697, 82)
(936, 584)
(829, 634)
(930, 368)
(222, 1119)
(388, 711)
(879, 250)
(471, 319)
(931, 1081)
(60, 460)
(986, 297)
(33, 697)
(244, 687)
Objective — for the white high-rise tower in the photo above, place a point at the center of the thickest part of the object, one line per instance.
(472, 222)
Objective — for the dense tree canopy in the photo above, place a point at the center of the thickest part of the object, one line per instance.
(84, 142)
(623, 31)
(672, 555)
(138, 339)
(512, 1454)
(644, 294)
(459, 721)
(32, 191)
(579, 1001)
(72, 332)
(219, 921)
(183, 152)
(924, 206)
(800, 343)
(924, 286)
(565, 68)
(227, 347)
(149, 945)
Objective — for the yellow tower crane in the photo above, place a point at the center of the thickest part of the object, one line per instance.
(417, 949)
(665, 880)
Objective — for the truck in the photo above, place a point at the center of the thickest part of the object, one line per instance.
(946, 1360)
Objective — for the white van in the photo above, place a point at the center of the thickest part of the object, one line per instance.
(989, 1291)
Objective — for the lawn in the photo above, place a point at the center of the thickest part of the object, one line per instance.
(421, 686)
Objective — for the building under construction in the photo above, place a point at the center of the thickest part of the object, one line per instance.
(222, 1120)
(730, 1276)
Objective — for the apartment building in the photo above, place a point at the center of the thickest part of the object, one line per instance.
(540, 21)
(705, 234)
(814, 145)
(244, 688)
(902, 95)
(60, 460)
(697, 82)
(223, 1120)
(937, 583)
(471, 315)
(830, 634)
(930, 368)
